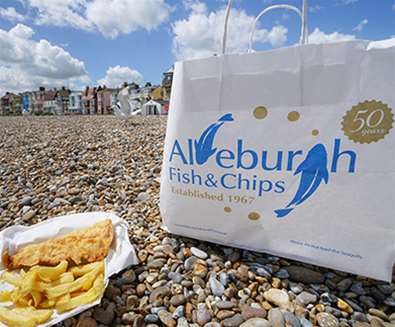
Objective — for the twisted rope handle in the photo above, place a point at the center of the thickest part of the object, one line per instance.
(302, 14)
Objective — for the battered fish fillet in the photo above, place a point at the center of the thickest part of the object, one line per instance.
(81, 246)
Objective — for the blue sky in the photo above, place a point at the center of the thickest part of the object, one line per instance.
(76, 42)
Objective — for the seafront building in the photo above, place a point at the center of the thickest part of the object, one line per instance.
(106, 100)
(50, 105)
(75, 103)
(97, 100)
(27, 103)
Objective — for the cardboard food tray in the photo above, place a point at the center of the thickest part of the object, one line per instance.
(121, 255)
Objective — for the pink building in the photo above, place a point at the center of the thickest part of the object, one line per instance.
(106, 99)
(89, 101)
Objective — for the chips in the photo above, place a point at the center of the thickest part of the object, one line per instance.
(24, 316)
(40, 290)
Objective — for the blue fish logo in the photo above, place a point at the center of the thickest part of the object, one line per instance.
(313, 172)
(204, 145)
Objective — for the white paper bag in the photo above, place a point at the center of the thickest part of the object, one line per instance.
(121, 254)
(289, 152)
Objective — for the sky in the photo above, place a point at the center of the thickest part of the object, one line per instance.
(76, 43)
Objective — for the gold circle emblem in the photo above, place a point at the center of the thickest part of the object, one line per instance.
(293, 116)
(368, 122)
(260, 112)
(228, 209)
(254, 216)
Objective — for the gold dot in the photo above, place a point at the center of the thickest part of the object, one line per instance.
(228, 209)
(254, 216)
(260, 112)
(293, 116)
(315, 132)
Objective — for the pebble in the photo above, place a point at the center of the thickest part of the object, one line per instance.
(278, 297)
(156, 264)
(86, 322)
(175, 277)
(306, 298)
(128, 318)
(199, 253)
(203, 315)
(282, 274)
(151, 318)
(188, 264)
(156, 310)
(378, 313)
(250, 312)
(375, 322)
(276, 318)
(143, 196)
(263, 272)
(223, 314)
(224, 278)
(182, 322)
(343, 305)
(179, 312)
(29, 215)
(233, 321)
(305, 275)
(256, 322)
(344, 285)
(26, 201)
(166, 318)
(200, 269)
(306, 323)
(242, 273)
(105, 316)
(177, 300)
(216, 287)
(158, 293)
(132, 302)
(327, 320)
(225, 305)
(357, 288)
(140, 289)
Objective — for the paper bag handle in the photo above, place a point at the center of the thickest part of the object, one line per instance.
(302, 14)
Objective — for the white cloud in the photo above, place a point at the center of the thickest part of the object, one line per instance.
(393, 6)
(60, 13)
(112, 17)
(318, 36)
(26, 64)
(195, 6)
(11, 14)
(361, 25)
(116, 76)
(109, 17)
(200, 35)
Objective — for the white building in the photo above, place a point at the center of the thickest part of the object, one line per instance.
(75, 106)
(50, 104)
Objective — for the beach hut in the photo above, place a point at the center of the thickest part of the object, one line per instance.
(155, 108)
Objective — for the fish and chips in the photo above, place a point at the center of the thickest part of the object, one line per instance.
(59, 274)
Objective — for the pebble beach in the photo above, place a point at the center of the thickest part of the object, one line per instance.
(56, 166)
